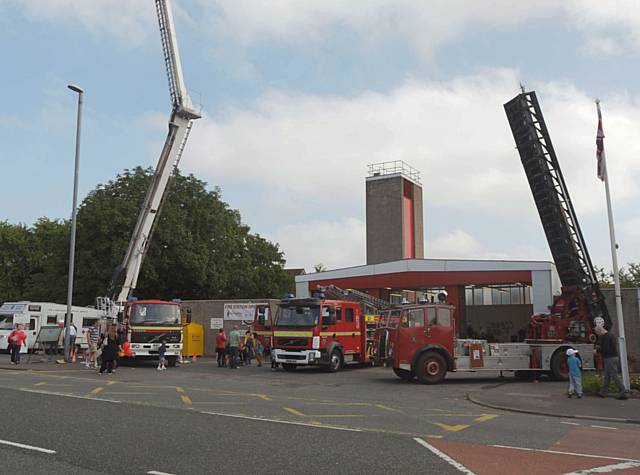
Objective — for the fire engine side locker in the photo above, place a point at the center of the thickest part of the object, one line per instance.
(515, 356)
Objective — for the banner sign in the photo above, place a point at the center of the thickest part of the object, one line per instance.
(240, 311)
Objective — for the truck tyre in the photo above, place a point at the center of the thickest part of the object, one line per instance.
(559, 366)
(431, 368)
(289, 366)
(335, 361)
(404, 374)
(172, 360)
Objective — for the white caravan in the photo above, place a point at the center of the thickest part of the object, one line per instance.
(35, 315)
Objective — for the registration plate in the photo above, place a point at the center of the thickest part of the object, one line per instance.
(291, 361)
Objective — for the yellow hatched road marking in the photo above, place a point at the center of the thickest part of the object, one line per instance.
(263, 397)
(97, 390)
(454, 428)
(294, 412)
(41, 383)
(179, 389)
(486, 417)
(387, 408)
(186, 399)
(111, 383)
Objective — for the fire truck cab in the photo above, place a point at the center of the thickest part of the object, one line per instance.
(316, 331)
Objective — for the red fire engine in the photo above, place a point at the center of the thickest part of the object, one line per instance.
(418, 341)
(318, 331)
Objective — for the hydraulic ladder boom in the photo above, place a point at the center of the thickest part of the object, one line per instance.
(554, 205)
(183, 114)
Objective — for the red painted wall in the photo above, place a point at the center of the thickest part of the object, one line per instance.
(408, 235)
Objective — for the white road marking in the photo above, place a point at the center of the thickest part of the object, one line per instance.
(277, 421)
(605, 427)
(567, 453)
(28, 447)
(155, 472)
(50, 393)
(606, 468)
(443, 456)
(569, 423)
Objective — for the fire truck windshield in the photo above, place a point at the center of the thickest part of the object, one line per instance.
(154, 314)
(297, 316)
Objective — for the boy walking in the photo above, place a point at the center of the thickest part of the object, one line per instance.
(575, 373)
(161, 352)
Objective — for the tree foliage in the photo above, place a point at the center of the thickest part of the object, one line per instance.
(200, 249)
(629, 276)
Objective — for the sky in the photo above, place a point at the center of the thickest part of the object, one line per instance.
(299, 96)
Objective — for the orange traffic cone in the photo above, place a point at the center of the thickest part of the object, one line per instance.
(193, 359)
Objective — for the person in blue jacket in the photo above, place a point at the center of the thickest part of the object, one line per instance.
(575, 373)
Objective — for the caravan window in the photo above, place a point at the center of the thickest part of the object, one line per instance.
(52, 319)
(88, 322)
(32, 324)
(6, 322)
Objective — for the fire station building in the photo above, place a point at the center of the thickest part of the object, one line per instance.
(493, 299)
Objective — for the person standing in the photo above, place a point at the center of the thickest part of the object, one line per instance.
(109, 351)
(221, 341)
(608, 348)
(234, 344)
(73, 333)
(17, 338)
(259, 350)
(93, 337)
(575, 373)
(248, 347)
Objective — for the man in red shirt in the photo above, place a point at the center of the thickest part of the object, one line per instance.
(17, 338)
(221, 341)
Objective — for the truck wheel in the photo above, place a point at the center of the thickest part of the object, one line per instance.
(335, 361)
(404, 374)
(172, 360)
(559, 366)
(431, 368)
(289, 367)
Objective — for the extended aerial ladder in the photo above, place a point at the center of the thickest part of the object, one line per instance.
(574, 312)
(183, 114)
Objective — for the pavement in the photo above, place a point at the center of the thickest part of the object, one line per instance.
(198, 418)
(549, 398)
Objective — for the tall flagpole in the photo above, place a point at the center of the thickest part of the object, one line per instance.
(604, 175)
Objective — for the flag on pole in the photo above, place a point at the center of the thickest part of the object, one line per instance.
(600, 145)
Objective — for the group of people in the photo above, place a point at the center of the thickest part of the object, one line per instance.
(238, 350)
(608, 349)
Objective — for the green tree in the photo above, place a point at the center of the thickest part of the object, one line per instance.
(15, 256)
(629, 276)
(199, 248)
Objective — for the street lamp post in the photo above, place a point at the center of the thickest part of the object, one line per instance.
(72, 243)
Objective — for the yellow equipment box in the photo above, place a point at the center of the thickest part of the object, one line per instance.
(192, 340)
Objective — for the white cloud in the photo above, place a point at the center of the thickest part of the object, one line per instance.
(333, 243)
(310, 149)
(306, 155)
(129, 22)
(423, 26)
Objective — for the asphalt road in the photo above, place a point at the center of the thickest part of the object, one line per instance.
(91, 436)
(204, 419)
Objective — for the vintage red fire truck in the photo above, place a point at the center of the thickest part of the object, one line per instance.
(419, 341)
(318, 331)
